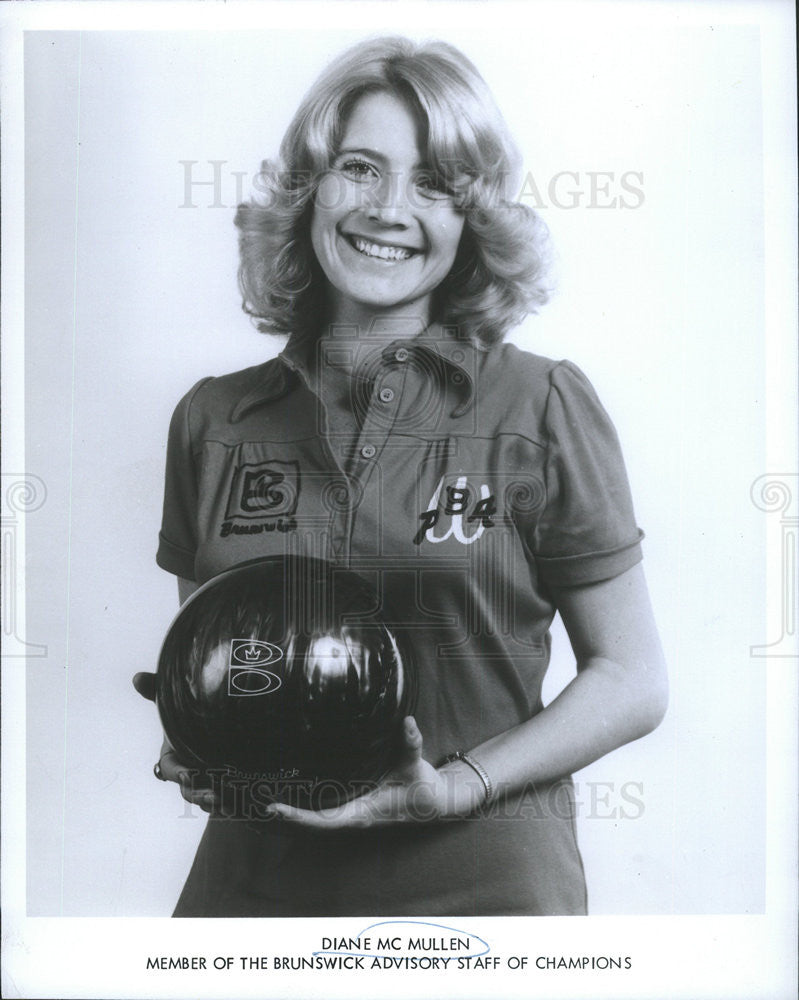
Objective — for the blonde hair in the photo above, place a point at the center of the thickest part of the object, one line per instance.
(498, 274)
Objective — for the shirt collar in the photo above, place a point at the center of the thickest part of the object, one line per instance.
(440, 351)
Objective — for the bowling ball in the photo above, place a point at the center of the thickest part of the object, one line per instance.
(284, 679)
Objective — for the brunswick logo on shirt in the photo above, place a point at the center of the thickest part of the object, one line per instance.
(465, 515)
(265, 494)
(268, 489)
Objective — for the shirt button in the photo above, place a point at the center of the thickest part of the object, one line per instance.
(386, 395)
(368, 451)
(401, 354)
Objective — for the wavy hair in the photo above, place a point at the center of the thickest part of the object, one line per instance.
(498, 276)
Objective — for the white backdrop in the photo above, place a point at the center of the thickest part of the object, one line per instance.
(131, 297)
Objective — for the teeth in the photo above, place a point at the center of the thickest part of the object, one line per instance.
(385, 253)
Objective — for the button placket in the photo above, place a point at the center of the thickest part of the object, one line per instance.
(378, 420)
(377, 424)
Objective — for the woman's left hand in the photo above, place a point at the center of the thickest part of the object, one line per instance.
(412, 792)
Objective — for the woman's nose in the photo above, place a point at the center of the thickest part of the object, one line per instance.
(389, 201)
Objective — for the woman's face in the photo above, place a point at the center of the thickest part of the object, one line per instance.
(384, 230)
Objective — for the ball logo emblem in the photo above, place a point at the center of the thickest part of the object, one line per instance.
(254, 652)
(246, 676)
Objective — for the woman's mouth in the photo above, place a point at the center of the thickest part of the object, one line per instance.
(379, 250)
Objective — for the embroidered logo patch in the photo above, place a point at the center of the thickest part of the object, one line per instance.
(461, 506)
(266, 489)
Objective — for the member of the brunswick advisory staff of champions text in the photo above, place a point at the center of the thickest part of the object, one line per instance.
(386, 244)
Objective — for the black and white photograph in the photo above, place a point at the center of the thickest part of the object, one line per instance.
(400, 493)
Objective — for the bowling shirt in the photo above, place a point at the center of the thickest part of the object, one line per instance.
(476, 481)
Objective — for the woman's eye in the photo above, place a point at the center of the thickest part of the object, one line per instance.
(359, 170)
(433, 186)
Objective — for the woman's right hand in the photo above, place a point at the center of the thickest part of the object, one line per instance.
(193, 787)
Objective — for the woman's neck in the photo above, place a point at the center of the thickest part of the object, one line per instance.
(366, 323)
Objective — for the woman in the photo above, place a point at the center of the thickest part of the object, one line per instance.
(480, 487)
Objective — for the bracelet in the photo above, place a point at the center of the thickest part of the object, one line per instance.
(477, 767)
(158, 772)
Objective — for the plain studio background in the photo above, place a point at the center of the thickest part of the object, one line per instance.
(131, 297)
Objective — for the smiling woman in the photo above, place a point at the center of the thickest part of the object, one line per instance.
(477, 487)
(389, 238)
(457, 156)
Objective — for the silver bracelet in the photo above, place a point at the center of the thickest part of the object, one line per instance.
(477, 767)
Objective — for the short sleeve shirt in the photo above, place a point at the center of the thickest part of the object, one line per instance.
(478, 480)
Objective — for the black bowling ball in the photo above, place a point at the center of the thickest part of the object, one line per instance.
(284, 679)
